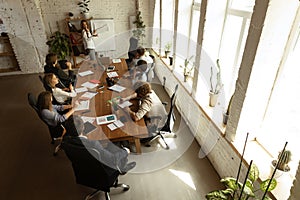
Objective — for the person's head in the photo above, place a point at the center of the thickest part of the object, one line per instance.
(141, 51)
(84, 24)
(50, 80)
(51, 59)
(142, 65)
(78, 124)
(142, 89)
(44, 100)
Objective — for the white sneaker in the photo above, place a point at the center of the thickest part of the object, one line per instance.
(168, 134)
(161, 142)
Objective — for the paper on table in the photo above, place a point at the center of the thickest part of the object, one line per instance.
(88, 95)
(125, 104)
(85, 73)
(116, 60)
(83, 105)
(88, 119)
(89, 85)
(81, 89)
(115, 125)
(112, 74)
(117, 88)
(106, 119)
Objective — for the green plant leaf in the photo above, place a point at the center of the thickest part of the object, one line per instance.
(216, 195)
(264, 185)
(230, 183)
(254, 173)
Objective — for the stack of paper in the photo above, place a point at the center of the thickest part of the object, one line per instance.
(112, 74)
(88, 119)
(117, 88)
(115, 125)
(125, 104)
(88, 95)
(81, 89)
(83, 105)
(89, 85)
(85, 73)
(106, 119)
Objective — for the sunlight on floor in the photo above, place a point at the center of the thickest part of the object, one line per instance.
(185, 177)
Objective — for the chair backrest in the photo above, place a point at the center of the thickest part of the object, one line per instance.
(150, 72)
(54, 131)
(87, 168)
(167, 127)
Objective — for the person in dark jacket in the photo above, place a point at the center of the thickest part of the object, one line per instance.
(54, 66)
(110, 155)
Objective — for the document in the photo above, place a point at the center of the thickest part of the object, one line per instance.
(81, 89)
(106, 119)
(88, 119)
(88, 95)
(116, 60)
(115, 125)
(112, 74)
(125, 104)
(85, 73)
(89, 85)
(83, 105)
(95, 81)
(117, 88)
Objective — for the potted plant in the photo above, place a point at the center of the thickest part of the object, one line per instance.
(187, 69)
(227, 112)
(59, 44)
(139, 32)
(84, 7)
(245, 191)
(284, 157)
(168, 49)
(216, 87)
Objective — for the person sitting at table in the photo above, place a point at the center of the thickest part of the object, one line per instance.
(111, 155)
(62, 96)
(140, 72)
(50, 113)
(52, 66)
(142, 55)
(147, 99)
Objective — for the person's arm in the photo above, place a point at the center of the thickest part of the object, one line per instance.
(144, 108)
(61, 92)
(86, 35)
(133, 96)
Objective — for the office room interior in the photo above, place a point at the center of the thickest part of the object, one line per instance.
(231, 59)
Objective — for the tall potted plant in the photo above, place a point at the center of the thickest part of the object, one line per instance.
(168, 49)
(187, 68)
(59, 44)
(139, 32)
(215, 85)
(227, 112)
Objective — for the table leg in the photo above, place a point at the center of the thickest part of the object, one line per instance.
(137, 145)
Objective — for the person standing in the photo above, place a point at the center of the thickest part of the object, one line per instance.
(87, 38)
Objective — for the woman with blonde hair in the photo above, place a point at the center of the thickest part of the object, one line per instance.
(62, 96)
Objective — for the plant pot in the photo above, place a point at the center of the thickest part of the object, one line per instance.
(212, 99)
(167, 54)
(171, 60)
(185, 77)
(86, 15)
(280, 175)
(225, 118)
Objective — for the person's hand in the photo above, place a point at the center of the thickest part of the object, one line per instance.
(121, 100)
(69, 65)
(71, 87)
(67, 107)
(95, 33)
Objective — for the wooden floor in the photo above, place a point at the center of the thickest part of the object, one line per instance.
(28, 170)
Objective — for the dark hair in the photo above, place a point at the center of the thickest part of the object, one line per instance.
(142, 65)
(79, 125)
(142, 88)
(44, 101)
(141, 51)
(51, 58)
(81, 22)
(47, 79)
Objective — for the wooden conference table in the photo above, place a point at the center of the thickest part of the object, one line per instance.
(99, 105)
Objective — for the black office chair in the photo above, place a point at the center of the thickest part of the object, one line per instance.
(165, 130)
(89, 171)
(55, 132)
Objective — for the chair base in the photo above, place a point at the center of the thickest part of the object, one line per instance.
(160, 137)
(107, 197)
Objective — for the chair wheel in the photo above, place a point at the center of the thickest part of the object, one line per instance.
(126, 188)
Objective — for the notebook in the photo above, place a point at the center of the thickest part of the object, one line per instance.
(89, 127)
